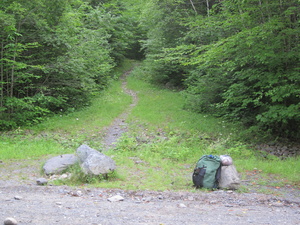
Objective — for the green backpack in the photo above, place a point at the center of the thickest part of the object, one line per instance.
(207, 172)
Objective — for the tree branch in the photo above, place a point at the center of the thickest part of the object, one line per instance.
(193, 7)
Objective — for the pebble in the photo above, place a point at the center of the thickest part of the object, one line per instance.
(219, 192)
(63, 176)
(41, 181)
(17, 197)
(181, 205)
(116, 198)
(147, 199)
(277, 204)
(191, 198)
(10, 221)
(76, 194)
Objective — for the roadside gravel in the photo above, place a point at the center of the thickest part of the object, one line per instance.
(45, 205)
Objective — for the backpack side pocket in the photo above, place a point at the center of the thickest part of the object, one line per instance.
(198, 176)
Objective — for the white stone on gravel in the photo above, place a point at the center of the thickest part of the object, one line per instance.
(76, 194)
(116, 198)
(181, 205)
(10, 221)
(17, 197)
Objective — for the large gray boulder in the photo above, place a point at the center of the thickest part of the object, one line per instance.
(84, 151)
(94, 162)
(229, 178)
(59, 163)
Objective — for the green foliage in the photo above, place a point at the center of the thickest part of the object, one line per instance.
(65, 50)
(162, 21)
(235, 59)
(127, 144)
(242, 63)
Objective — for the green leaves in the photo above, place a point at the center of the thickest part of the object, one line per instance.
(62, 50)
(242, 62)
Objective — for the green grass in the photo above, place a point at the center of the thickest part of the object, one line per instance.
(104, 108)
(165, 108)
(161, 148)
(29, 148)
(288, 169)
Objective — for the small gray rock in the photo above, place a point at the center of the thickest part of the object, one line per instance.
(41, 181)
(10, 221)
(160, 197)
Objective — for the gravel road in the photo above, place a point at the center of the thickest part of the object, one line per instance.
(46, 205)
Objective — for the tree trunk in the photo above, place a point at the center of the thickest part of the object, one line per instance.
(193, 6)
(1, 76)
(12, 78)
(207, 7)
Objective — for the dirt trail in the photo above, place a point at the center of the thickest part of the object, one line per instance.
(28, 203)
(119, 125)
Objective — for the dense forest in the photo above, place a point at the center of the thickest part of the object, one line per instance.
(236, 59)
